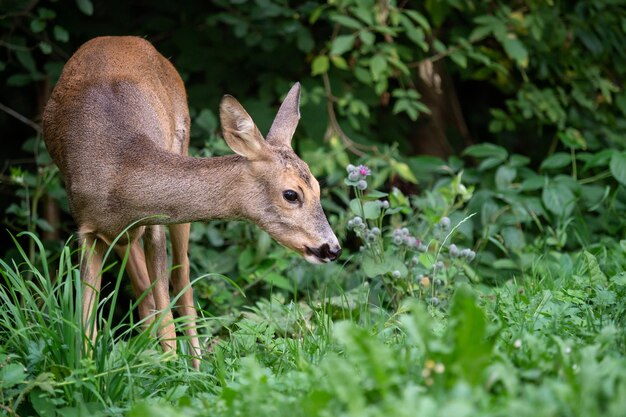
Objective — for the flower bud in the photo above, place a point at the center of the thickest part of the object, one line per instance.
(445, 222)
(361, 185)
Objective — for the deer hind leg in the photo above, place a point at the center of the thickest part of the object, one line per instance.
(179, 235)
(139, 279)
(156, 262)
(92, 251)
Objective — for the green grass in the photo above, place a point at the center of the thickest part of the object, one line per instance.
(549, 343)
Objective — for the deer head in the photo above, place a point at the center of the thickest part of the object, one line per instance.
(279, 192)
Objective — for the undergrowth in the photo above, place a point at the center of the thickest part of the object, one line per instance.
(546, 344)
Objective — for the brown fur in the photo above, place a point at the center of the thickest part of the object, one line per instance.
(117, 125)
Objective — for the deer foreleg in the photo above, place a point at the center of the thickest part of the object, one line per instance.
(139, 279)
(156, 262)
(179, 235)
(91, 269)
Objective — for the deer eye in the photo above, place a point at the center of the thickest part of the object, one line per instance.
(290, 195)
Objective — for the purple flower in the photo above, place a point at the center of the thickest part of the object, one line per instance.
(364, 171)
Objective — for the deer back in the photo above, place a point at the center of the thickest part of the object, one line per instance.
(116, 98)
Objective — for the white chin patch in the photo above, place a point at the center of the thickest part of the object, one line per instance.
(315, 260)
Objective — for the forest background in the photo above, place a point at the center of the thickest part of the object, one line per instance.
(490, 240)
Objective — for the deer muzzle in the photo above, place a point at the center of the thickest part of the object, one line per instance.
(323, 254)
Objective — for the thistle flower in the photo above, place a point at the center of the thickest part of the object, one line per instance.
(361, 185)
(364, 171)
(468, 254)
(445, 222)
(358, 173)
(353, 176)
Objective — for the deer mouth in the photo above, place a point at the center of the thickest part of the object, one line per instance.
(321, 255)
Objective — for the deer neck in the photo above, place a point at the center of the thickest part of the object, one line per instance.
(186, 189)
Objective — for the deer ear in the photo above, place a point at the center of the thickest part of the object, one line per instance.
(240, 132)
(286, 120)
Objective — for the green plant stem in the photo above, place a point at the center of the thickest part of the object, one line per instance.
(574, 169)
(597, 177)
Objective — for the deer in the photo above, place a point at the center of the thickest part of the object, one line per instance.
(117, 125)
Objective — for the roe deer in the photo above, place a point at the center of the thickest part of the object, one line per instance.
(117, 125)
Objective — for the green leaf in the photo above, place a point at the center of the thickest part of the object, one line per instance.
(504, 264)
(373, 268)
(37, 25)
(45, 47)
(60, 34)
(427, 260)
(346, 21)
(485, 150)
(403, 171)
(11, 375)
(459, 58)
(599, 159)
(371, 209)
(513, 238)
(85, 6)
(207, 121)
(591, 267)
(19, 80)
(367, 37)
(556, 161)
(489, 163)
(618, 167)
(558, 198)
(320, 65)
(418, 18)
(505, 176)
(375, 195)
(468, 336)
(26, 59)
(378, 65)
(532, 183)
(619, 279)
(277, 280)
(304, 40)
(516, 50)
(572, 138)
(339, 62)
(342, 44)
(43, 404)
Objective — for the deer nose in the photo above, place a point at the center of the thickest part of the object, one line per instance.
(330, 253)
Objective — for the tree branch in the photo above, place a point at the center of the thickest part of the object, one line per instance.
(21, 118)
(354, 147)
